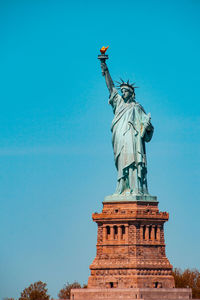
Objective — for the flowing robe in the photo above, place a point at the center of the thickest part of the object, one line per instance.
(129, 136)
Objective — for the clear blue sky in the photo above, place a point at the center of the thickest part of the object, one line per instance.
(56, 160)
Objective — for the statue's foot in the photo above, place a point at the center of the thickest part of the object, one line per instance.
(115, 194)
(136, 193)
(128, 192)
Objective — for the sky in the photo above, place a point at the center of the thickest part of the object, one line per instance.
(56, 158)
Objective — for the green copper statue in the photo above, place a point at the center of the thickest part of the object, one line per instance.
(131, 128)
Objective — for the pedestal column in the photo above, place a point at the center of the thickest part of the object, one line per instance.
(119, 233)
(112, 232)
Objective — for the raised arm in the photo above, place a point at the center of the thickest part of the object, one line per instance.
(105, 72)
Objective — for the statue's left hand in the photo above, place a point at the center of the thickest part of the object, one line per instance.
(147, 124)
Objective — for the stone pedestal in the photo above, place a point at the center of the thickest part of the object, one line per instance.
(130, 257)
(130, 245)
(131, 294)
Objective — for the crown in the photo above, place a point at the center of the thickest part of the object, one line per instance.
(127, 85)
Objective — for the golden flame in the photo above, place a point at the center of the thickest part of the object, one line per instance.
(103, 49)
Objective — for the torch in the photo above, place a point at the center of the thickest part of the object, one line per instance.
(102, 57)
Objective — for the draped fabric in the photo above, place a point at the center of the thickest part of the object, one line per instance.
(129, 135)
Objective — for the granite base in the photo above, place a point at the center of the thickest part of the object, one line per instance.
(131, 294)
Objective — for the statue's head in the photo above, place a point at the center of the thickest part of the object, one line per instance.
(128, 91)
(127, 94)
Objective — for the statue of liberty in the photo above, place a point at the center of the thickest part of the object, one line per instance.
(131, 129)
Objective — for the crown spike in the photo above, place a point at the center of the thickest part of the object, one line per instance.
(126, 84)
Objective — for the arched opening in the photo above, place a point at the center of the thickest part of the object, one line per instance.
(123, 232)
(115, 232)
(150, 229)
(156, 284)
(155, 233)
(144, 230)
(107, 231)
(111, 284)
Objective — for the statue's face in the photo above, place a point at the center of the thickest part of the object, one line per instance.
(126, 94)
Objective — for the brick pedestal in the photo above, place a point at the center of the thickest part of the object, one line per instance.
(130, 247)
(130, 252)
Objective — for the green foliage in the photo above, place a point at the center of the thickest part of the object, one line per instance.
(36, 291)
(188, 278)
(65, 292)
